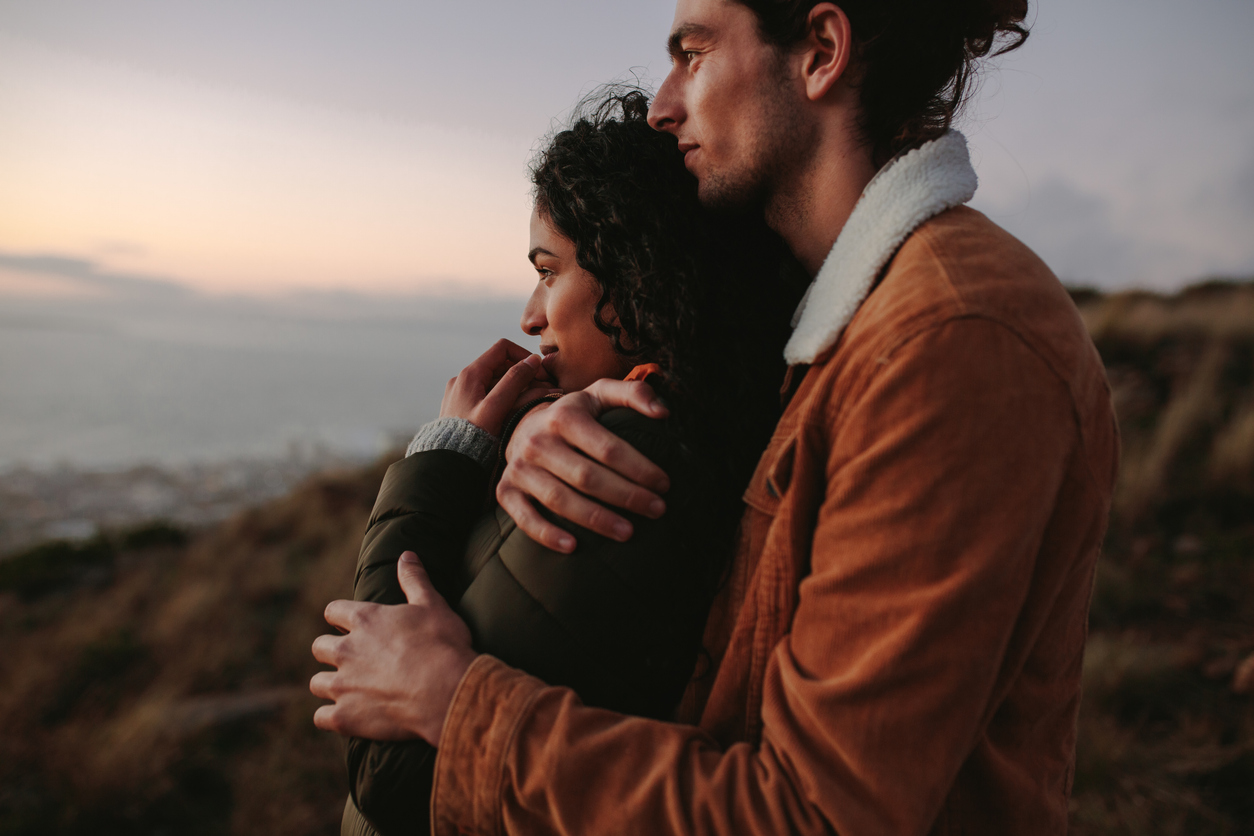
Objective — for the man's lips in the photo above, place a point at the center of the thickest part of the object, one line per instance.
(686, 148)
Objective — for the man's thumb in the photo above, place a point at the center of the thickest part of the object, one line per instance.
(414, 581)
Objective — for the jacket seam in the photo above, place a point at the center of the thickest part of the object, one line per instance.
(870, 374)
(502, 779)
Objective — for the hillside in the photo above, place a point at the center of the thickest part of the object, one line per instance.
(1167, 724)
(154, 679)
(156, 683)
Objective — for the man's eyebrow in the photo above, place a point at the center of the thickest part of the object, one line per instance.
(531, 256)
(687, 30)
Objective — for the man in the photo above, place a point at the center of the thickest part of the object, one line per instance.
(898, 646)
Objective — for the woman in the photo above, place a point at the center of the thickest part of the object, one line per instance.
(635, 279)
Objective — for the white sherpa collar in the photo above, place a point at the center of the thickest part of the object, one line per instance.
(908, 191)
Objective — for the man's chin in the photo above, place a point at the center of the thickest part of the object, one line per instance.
(723, 195)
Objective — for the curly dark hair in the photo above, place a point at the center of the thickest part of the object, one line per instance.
(707, 296)
(915, 59)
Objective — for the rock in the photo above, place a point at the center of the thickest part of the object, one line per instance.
(1243, 679)
(1220, 668)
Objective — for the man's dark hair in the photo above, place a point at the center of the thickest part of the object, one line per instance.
(913, 59)
(707, 296)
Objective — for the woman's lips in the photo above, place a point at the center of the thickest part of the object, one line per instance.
(548, 359)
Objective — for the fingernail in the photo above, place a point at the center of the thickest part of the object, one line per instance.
(622, 530)
(657, 508)
(532, 360)
(409, 557)
(566, 543)
(657, 407)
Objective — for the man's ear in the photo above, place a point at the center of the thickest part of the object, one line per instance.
(827, 49)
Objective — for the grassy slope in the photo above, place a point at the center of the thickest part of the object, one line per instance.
(1166, 739)
(161, 687)
(155, 685)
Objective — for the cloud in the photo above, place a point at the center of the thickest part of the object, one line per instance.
(1242, 192)
(1073, 232)
(57, 285)
(93, 279)
(1079, 235)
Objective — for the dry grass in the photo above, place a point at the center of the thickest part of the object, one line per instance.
(1166, 740)
(170, 696)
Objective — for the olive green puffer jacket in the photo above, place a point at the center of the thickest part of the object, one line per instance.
(620, 623)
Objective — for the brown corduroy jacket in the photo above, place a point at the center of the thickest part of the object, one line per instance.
(898, 648)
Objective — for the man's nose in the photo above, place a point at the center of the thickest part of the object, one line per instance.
(665, 113)
(533, 319)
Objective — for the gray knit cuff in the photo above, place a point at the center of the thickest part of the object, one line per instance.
(458, 435)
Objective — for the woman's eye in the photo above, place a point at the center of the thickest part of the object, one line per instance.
(544, 273)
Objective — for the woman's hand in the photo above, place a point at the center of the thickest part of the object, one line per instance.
(489, 388)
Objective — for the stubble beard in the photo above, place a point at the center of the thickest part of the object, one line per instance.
(781, 145)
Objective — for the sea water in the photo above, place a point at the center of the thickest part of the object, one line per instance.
(99, 383)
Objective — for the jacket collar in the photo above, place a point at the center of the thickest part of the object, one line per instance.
(909, 190)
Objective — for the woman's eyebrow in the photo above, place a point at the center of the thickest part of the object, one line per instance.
(531, 256)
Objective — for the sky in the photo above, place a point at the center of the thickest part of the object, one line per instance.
(238, 147)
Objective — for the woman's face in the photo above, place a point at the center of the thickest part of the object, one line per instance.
(561, 310)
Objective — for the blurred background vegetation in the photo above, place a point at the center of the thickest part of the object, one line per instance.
(155, 679)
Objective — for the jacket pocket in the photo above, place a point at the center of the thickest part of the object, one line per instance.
(773, 476)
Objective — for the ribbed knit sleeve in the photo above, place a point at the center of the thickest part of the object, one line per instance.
(458, 435)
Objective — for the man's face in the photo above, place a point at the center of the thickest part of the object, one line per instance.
(730, 100)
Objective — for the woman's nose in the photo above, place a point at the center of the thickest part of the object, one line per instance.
(533, 320)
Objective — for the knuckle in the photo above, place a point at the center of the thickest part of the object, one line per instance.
(605, 449)
(598, 518)
(565, 406)
(330, 654)
(332, 721)
(583, 476)
(637, 498)
(551, 495)
(528, 446)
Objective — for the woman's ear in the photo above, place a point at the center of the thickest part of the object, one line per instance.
(826, 50)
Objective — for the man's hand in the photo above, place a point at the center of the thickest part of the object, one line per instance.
(396, 666)
(488, 389)
(560, 456)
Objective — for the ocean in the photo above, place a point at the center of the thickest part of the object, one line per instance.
(170, 380)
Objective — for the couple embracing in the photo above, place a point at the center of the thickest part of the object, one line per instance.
(588, 602)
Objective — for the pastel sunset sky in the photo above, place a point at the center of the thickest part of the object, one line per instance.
(259, 148)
